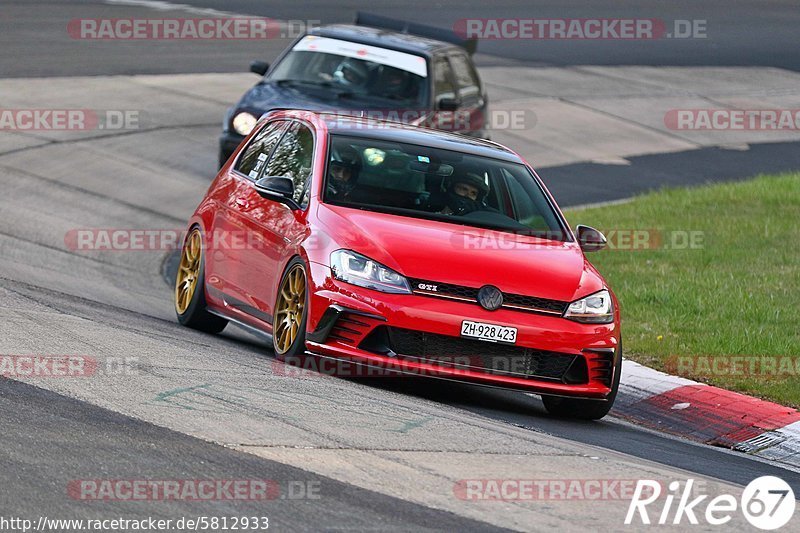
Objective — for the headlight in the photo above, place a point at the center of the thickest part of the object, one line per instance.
(354, 268)
(594, 309)
(243, 123)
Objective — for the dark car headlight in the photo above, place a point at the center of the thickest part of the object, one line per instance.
(243, 123)
(596, 308)
(354, 268)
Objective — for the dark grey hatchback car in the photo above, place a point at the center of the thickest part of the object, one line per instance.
(380, 67)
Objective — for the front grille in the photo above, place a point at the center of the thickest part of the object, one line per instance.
(535, 303)
(445, 289)
(519, 302)
(480, 356)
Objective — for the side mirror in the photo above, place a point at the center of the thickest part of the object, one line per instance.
(259, 67)
(277, 188)
(590, 239)
(448, 104)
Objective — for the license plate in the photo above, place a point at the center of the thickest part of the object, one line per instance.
(488, 332)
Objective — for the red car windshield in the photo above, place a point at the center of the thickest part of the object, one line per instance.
(424, 182)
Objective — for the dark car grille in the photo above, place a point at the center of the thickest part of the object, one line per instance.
(510, 301)
(489, 357)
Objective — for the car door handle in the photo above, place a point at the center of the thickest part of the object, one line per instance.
(242, 202)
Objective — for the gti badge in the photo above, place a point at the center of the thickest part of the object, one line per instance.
(490, 297)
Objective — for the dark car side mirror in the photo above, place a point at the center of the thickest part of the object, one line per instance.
(590, 239)
(259, 67)
(277, 188)
(448, 104)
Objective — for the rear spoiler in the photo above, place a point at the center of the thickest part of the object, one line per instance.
(386, 23)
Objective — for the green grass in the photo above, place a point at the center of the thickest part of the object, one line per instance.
(735, 295)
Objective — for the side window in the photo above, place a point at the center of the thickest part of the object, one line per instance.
(293, 157)
(442, 75)
(466, 77)
(257, 152)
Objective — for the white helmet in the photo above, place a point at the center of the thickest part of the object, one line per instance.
(351, 72)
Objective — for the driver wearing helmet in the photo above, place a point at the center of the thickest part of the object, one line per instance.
(343, 171)
(394, 83)
(351, 73)
(465, 193)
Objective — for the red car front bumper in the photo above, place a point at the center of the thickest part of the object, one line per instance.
(348, 322)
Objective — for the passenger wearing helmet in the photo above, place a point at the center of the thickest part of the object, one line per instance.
(351, 73)
(465, 193)
(343, 171)
(394, 83)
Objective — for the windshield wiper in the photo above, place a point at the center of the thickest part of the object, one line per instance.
(343, 93)
(311, 83)
(395, 97)
(317, 84)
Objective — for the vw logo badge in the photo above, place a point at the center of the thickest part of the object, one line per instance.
(490, 297)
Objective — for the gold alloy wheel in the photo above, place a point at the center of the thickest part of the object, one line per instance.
(290, 307)
(188, 272)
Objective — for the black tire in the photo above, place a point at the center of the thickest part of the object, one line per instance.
(298, 346)
(196, 315)
(582, 409)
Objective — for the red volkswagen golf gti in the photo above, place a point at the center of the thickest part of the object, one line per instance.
(408, 249)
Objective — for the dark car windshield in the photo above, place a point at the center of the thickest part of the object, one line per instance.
(430, 183)
(369, 74)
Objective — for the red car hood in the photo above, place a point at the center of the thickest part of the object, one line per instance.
(461, 255)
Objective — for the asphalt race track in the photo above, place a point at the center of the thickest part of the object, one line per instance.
(738, 33)
(346, 454)
(143, 451)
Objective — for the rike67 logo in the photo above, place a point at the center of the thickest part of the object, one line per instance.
(768, 503)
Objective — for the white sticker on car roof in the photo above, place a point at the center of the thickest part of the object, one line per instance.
(408, 62)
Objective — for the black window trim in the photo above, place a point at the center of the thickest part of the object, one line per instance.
(269, 156)
(310, 179)
(288, 125)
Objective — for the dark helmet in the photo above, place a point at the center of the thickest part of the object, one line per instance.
(347, 157)
(470, 177)
(394, 82)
